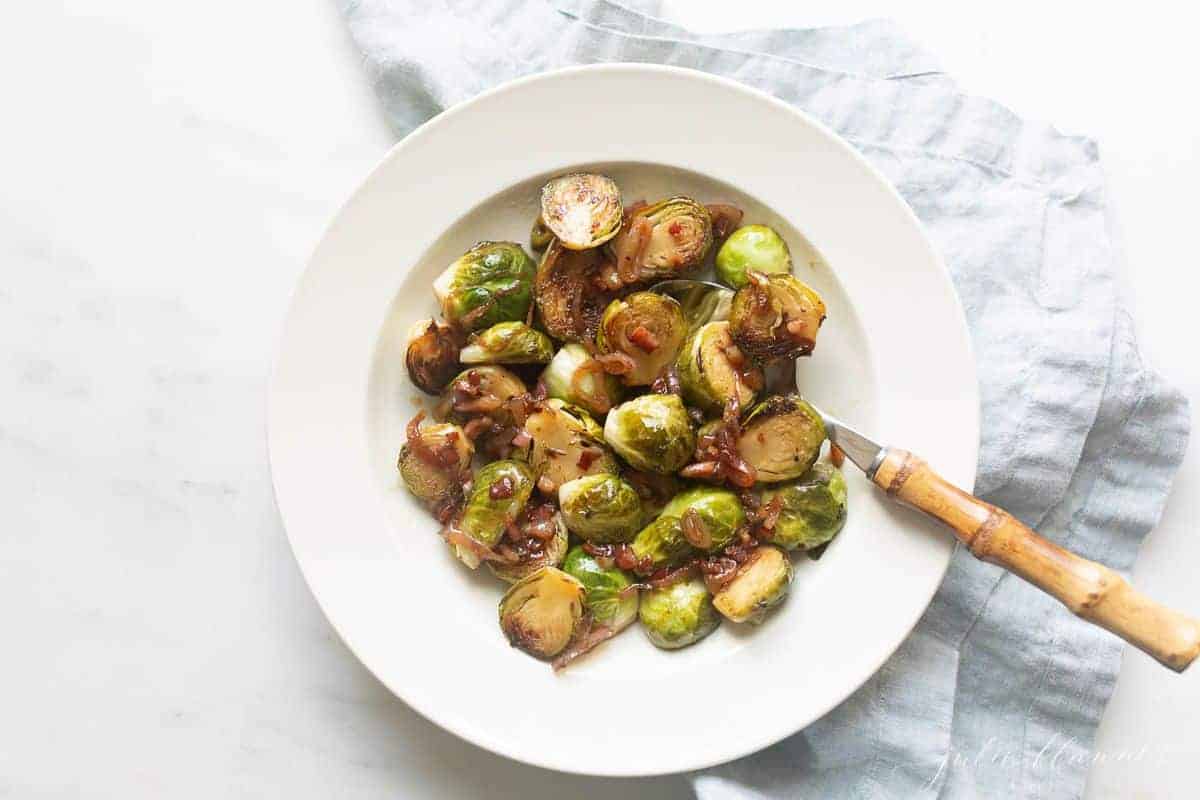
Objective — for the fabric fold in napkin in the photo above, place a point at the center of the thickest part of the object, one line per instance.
(998, 691)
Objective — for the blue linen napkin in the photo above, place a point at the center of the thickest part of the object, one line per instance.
(999, 689)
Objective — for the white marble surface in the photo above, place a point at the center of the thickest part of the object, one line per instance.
(164, 170)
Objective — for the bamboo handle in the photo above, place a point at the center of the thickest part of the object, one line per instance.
(1091, 591)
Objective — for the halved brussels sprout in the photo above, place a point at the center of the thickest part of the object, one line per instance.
(481, 391)
(539, 235)
(813, 508)
(434, 459)
(679, 614)
(508, 343)
(652, 432)
(602, 509)
(543, 612)
(712, 369)
(574, 377)
(762, 581)
(754, 248)
(700, 519)
(665, 240)
(432, 355)
(648, 328)
(609, 597)
(567, 444)
(567, 288)
(776, 316)
(582, 209)
(492, 282)
(498, 495)
(553, 551)
(781, 438)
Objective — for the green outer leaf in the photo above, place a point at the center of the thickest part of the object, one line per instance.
(719, 509)
(497, 274)
(704, 371)
(603, 589)
(602, 509)
(813, 508)
(508, 343)
(651, 432)
(752, 247)
(679, 614)
(663, 542)
(483, 519)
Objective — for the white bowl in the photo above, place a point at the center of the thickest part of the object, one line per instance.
(893, 357)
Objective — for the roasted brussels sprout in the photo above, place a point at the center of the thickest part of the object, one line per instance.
(567, 444)
(754, 248)
(543, 612)
(492, 282)
(498, 495)
(812, 509)
(539, 235)
(582, 209)
(701, 519)
(781, 438)
(482, 391)
(712, 369)
(719, 512)
(762, 581)
(569, 294)
(432, 355)
(574, 377)
(648, 329)
(651, 432)
(775, 316)
(609, 596)
(602, 509)
(434, 460)
(678, 614)
(529, 559)
(610, 599)
(508, 343)
(664, 240)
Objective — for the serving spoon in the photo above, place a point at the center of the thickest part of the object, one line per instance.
(1091, 591)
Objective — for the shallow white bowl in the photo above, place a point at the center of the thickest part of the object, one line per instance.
(893, 358)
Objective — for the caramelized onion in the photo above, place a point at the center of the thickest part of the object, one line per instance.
(616, 363)
(725, 220)
(694, 529)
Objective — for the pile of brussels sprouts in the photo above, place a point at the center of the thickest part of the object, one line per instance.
(641, 454)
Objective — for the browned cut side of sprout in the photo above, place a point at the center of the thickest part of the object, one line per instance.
(432, 356)
(569, 303)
